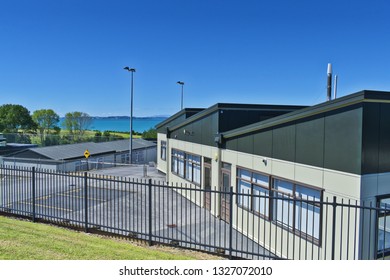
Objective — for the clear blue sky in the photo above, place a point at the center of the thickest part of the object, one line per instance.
(68, 55)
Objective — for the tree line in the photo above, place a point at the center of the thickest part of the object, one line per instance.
(45, 124)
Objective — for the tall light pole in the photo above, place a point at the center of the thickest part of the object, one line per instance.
(182, 88)
(132, 70)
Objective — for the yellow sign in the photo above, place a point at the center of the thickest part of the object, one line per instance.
(86, 154)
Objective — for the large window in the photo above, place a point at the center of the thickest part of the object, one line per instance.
(163, 153)
(290, 205)
(178, 162)
(253, 191)
(297, 208)
(186, 165)
(192, 170)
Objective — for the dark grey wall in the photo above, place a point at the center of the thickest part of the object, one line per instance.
(178, 120)
(232, 119)
(331, 140)
(376, 138)
(174, 122)
(202, 131)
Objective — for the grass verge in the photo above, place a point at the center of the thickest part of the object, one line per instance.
(24, 240)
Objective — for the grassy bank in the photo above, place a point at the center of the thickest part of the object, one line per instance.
(24, 240)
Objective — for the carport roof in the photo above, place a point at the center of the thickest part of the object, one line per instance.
(124, 145)
(64, 152)
(73, 151)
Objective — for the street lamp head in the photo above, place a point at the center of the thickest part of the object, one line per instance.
(180, 83)
(129, 69)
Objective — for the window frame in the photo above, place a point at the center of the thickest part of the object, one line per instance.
(189, 165)
(163, 150)
(382, 213)
(251, 198)
(318, 204)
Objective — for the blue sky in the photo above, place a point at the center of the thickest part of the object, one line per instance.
(68, 55)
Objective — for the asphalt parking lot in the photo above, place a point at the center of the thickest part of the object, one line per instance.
(132, 171)
(123, 206)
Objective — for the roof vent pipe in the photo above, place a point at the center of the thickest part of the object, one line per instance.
(335, 87)
(329, 87)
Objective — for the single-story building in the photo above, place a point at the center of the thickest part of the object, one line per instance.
(338, 149)
(9, 148)
(70, 158)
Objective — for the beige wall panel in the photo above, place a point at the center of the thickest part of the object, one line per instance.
(283, 169)
(161, 164)
(309, 175)
(262, 164)
(191, 148)
(208, 151)
(342, 184)
(244, 160)
(229, 156)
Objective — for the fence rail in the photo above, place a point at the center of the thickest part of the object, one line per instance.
(190, 217)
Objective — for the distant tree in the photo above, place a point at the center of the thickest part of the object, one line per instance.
(57, 130)
(15, 117)
(77, 123)
(150, 134)
(46, 120)
(98, 136)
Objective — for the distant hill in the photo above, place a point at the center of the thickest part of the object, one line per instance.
(127, 117)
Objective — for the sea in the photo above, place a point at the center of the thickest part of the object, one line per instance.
(122, 124)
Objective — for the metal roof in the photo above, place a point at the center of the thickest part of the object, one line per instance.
(124, 145)
(71, 151)
(185, 111)
(239, 107)
(63, 152)
(348, 100)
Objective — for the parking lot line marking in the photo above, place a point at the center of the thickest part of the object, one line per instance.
(111, 189)
(82, 197)
(47, 206)
(43, 197)
(72, 191)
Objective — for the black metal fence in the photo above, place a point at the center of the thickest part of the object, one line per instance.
(207, 220)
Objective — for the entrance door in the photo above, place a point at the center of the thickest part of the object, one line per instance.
(207, 183)
(225, 188)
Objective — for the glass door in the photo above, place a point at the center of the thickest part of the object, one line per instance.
(207, 183)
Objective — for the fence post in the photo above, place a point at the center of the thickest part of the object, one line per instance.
(231, 223)
(33, 194)
(334, 204)
(150, 212)
(86, 201)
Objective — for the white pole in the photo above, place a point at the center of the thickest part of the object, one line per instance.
(335, 87)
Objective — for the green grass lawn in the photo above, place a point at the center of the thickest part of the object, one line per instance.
(24, 240)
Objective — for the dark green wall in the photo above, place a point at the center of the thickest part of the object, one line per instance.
(343, 140)
(371, 127)
(176, 121)
(232, 119)
(376, 138)
(331, 140)
(384, 139)
(202, 131)
(310, 133)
